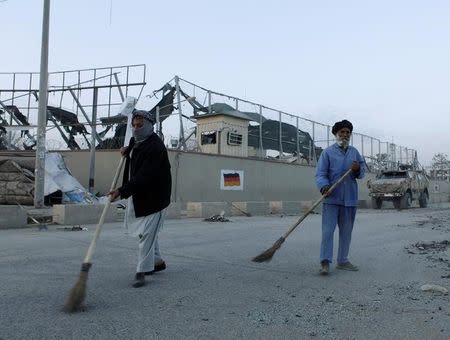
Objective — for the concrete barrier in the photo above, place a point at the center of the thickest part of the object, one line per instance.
(276, 207)
(292, 207)
(12, 216)
(258, 208)
(90, 214)
(176, 210)
(214, 208)
(238, 209)
(66, 214)
(439, 197)
(194, 209)
(207, 209)
(364, 204)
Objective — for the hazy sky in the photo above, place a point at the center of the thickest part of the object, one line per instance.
(385, 65)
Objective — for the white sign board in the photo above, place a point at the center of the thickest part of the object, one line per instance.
(126, 109)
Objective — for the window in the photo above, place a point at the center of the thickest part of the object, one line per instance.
(234, 138)
(209, 137)
(394, 174)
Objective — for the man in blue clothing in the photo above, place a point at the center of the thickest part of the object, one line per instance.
(339, 206)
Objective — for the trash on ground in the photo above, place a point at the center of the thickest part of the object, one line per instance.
(217, 218)
(434, 288)
(74, 228)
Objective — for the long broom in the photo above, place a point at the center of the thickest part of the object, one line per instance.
(267, 255)
(78, 292)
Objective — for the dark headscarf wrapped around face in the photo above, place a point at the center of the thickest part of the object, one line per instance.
(340, 125)
(142, 133)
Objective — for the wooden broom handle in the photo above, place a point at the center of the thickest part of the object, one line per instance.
(90, 251)
(316, 203)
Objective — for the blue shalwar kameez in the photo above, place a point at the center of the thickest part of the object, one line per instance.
(340, 207)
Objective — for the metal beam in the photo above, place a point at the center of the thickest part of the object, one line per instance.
(118, 86)
(260, 132)
(281, 136)
(181, 141)
(16, 120)
(83, 112)
(61, 132)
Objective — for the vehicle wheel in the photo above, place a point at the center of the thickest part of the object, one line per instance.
(376, 203)
(405, 201)
(423, 200)
(397, 202)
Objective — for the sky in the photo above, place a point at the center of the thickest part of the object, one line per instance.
(384, 65)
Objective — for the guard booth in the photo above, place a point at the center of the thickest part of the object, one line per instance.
(223, 133)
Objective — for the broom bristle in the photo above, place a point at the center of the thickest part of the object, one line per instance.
(78, 292)
(267, 255)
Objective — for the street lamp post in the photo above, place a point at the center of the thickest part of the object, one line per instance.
(42, 112)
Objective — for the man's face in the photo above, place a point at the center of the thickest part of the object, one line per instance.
(343, 134)
(137, 122)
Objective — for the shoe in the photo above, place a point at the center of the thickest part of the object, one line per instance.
(325, 268)
(347, 266)
(139, 280)
(158, 267)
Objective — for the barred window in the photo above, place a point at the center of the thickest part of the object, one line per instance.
(234, 138)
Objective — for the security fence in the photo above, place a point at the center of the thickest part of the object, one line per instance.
(81, 100)
(275, 134)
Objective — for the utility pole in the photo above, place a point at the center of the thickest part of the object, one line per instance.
(93, 136)
(181, 141)
(42, 112)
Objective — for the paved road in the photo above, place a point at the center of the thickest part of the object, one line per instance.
(211, 289)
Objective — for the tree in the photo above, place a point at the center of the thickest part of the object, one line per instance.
(440, 166)
(440, 161)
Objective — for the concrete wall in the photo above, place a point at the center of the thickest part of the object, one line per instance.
(85, 214)
(263, 180)
(196, 178)
(12, 216)
(439, 191)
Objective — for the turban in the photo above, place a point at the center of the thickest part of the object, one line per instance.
(144, 114)
(340, 125)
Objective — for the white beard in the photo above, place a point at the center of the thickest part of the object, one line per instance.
(342, 142)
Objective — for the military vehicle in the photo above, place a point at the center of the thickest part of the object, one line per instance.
(402, 187)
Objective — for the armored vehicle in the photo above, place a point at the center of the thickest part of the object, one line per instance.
(402, 187)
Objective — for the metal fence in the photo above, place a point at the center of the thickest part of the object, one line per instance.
(302, 146)
(89, 94)
(92, 94)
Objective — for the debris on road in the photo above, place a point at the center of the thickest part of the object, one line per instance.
(434, 245)
(434, 288)
(217, 218)
(74, 228)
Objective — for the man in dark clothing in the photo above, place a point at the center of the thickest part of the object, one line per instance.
(147, 184)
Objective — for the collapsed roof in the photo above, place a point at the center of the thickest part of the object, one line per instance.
(166, 108)
(222, 108)
(68, 120)
(271, 138)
